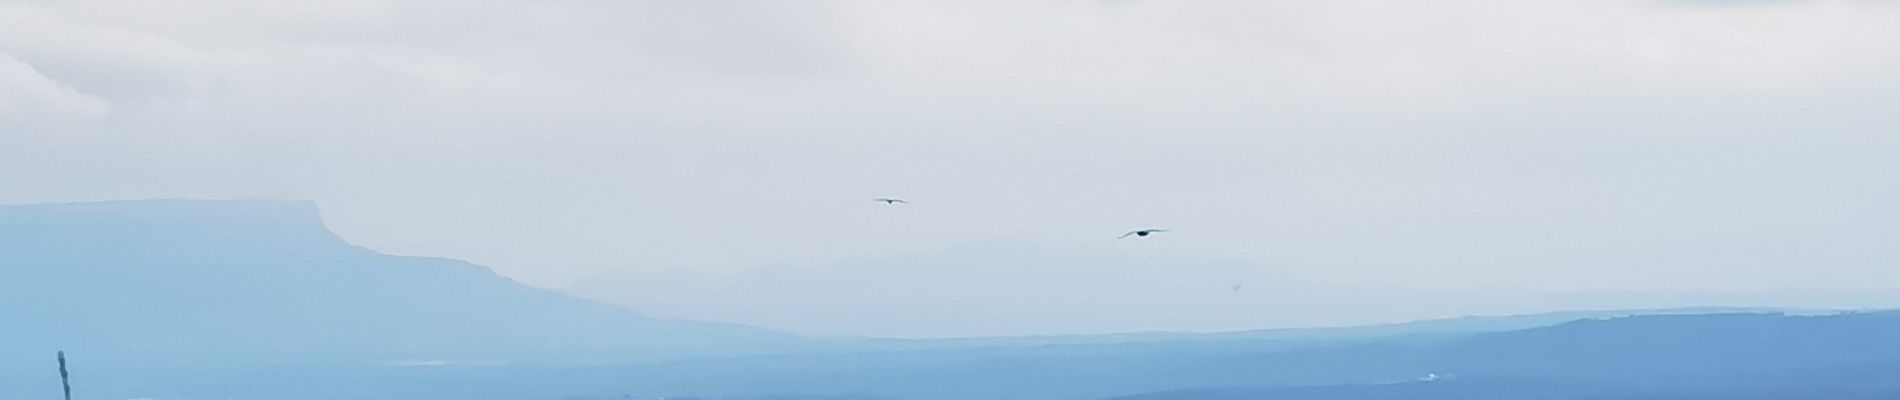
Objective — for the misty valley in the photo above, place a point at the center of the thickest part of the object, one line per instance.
(257, 300)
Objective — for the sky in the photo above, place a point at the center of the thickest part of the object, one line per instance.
(717, 160)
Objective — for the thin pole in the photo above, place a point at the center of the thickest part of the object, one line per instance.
(63, 382)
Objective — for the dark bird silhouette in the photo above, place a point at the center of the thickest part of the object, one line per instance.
(1142, 233)
(891, 201)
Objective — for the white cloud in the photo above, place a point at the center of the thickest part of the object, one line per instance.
(25, 94)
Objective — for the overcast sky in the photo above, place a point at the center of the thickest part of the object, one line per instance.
(716, 160)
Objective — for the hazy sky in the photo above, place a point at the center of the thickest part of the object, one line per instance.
(717, 159)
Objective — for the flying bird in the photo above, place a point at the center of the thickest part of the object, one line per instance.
(1142, 233)
(891, 201)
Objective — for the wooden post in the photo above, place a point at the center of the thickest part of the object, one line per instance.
(64, 384)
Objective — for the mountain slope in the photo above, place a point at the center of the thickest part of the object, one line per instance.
(244, 282)
(1711, 356)
(1683, 347)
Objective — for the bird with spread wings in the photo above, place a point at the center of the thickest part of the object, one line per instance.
(1142, 233)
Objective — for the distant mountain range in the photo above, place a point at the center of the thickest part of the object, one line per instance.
(257, 300)
(234, 283)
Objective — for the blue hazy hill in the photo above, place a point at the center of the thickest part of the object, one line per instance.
(1681, 348)
(256, 299)
(234, 283)
(1711, 356)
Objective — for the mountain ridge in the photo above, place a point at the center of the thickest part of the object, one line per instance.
(260, 281)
